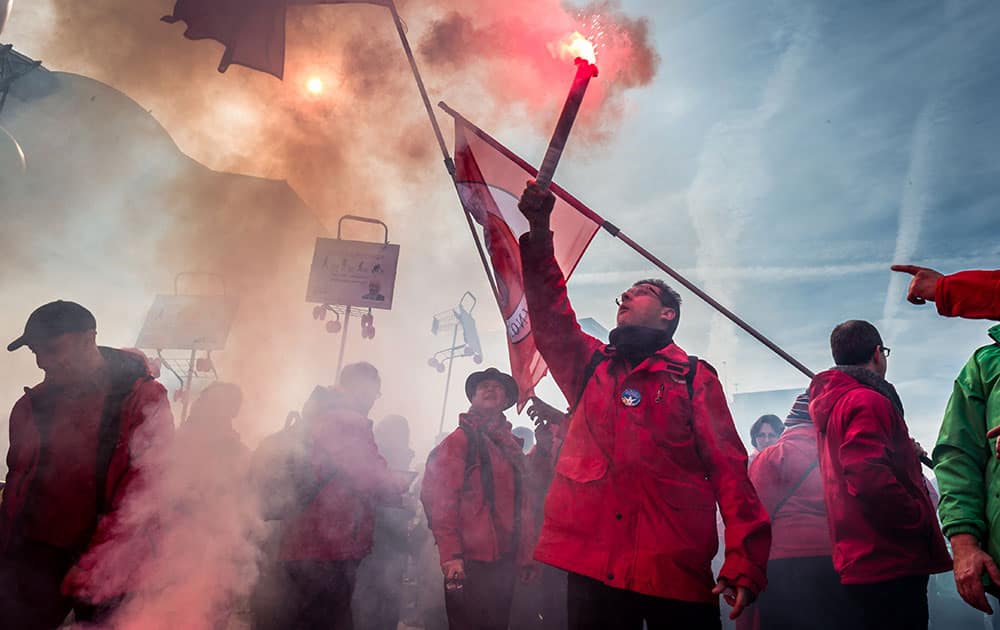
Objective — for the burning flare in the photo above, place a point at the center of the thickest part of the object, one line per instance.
(572, 46)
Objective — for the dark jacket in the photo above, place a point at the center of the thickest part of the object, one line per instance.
(337, 523)
(633, 500)
(57, 492)
(882, 521)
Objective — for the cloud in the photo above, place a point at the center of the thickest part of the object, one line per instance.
(913, 204)
(732, 180)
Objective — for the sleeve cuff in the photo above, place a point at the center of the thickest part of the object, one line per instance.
(941, 297)
(963, 528)
(743, 573)
(536, 245)
(449, 548)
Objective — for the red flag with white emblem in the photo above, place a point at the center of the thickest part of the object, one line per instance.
(490, 179)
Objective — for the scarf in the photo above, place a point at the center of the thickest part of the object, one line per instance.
(498, 431)
(637, 343)
(876, 382)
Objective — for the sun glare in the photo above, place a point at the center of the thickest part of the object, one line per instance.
(314, 86)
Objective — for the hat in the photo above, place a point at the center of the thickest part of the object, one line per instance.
(54, 319)
(508, 382)
(799, 413)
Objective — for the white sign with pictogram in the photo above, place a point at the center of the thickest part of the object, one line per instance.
(353, 273)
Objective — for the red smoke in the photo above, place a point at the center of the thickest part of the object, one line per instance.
(508, 51)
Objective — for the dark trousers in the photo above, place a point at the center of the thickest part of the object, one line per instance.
(30, 577)
(483, 602)
(805, 593)
(541, 604)
(305, 595)
(899, 604)
(592, 605)
(378, 593)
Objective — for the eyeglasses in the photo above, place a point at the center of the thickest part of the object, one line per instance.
(885, 351)
(640, 290)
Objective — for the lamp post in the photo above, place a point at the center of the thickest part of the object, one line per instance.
(458, 319)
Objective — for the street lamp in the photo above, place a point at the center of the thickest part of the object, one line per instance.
(455, 319)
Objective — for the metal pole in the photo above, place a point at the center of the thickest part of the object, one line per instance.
(187, 387)
(447, 380)
(617, 233)
(449, 164)
(343, 343)
(709, 299)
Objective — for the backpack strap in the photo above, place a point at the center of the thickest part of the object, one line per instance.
(476, 454)
(689, 377)
(588, 372)
(795, 488)
(125, 370)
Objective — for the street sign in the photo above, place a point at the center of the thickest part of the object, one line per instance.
(188, 322)
(353, 273)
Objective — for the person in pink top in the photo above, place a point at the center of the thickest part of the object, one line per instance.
(804, 590)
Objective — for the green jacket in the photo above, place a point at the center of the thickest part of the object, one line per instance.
(965, 462)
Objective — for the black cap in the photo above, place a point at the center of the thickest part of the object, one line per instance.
(508, 382)
(54, 319)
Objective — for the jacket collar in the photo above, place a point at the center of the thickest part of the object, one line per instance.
(671, 358)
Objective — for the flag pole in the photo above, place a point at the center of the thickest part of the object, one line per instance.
(449, 163)
(616, 232)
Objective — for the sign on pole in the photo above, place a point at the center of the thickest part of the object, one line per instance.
(188, 322)
(353, 273)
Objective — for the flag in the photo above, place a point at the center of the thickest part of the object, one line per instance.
(253, 31)
(490, 178)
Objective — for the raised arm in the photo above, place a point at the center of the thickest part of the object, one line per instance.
(969, 294)
(565, 347)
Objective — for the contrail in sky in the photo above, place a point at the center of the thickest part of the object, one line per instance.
(913, 205)
(732, 178)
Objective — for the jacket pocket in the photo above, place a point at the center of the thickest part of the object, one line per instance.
(582, 468)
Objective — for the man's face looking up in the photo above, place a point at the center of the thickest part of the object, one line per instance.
(641, 306)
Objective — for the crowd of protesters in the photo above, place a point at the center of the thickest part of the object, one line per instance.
(602, 518)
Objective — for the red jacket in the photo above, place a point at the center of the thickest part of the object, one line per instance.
(882, 522)
(463, 522)
(633, 500)
(799, 529)
(970, 294)
(338, 523)
(51, 494)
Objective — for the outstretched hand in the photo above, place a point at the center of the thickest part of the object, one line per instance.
(536, 205)
(922, 286)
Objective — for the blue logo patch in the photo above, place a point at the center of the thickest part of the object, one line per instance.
(631, 397)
